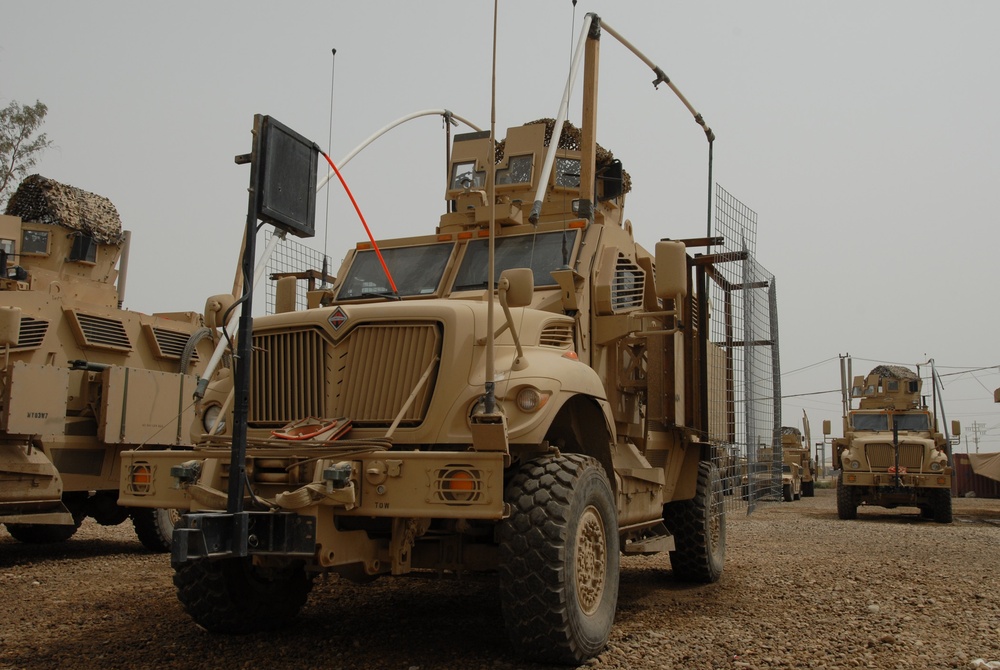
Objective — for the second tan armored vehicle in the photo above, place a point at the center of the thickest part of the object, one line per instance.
(391, 429)
(82, 379)
(791, 463)
(798, 469)
(892, 453)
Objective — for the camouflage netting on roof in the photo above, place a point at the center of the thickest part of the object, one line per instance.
(42, 200)
(570, 140)
(790, 430)
(894, 372)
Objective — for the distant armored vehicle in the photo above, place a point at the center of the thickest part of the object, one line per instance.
(891, 453)
(82, 379)
(791, 463)
(798, 468)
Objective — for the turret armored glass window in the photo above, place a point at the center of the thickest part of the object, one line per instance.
(84, 249)
(35, 242)
(543, 253)
(568, 172)
(416, 271)
(464, 176)
(518, 171)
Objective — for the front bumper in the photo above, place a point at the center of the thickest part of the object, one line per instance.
(936, 480)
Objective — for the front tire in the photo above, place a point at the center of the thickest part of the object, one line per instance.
(809, 489)
(232, 595)
(941, 506)
(699, 529)
(559, 558)
(847, 503)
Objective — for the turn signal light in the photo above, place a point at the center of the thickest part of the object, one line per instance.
(458, 486)
(140, 478)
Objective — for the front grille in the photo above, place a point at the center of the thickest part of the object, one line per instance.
(882, 457)
(383, 366)
(287, 378)
(366, 377)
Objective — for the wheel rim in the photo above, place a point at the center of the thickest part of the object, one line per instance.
(591, 560)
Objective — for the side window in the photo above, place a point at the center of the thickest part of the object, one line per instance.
(35, 242)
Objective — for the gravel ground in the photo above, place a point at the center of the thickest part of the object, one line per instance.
(801, 589)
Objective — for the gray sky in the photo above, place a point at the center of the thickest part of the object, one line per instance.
(865, 135)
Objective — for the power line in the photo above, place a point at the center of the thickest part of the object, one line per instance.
(799, 395)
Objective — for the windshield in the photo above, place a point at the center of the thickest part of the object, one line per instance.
(913, 421)
(916, 421)
(870, 421)
(416, 271)
(543, 253)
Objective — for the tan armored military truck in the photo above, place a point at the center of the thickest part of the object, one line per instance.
(798, 469)
(891, 453)
(791, 463)
(391, 429)
(81, 378)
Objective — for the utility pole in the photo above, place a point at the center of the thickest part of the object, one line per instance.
(977, 428)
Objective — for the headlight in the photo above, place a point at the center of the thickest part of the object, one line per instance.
(530, 399)
(212, 412)
(936, 466)
(855, 465)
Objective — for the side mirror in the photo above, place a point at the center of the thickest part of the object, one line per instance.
(671, 269)
(826, 427)
(215, 309)
(10, 326)
(515, 289)
(956, 428)
(284, 295)
(518, 284)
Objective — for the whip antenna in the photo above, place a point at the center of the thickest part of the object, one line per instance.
(329, 150)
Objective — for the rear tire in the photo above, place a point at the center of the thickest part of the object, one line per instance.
(941, 505)
(808, 489)
(699, 529)
(37, 533)
(232, 595)
(847, 503)
(155, 527)
(43, 533)
(786, 493)
(559, 557)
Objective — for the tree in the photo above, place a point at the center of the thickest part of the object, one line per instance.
(19, 145)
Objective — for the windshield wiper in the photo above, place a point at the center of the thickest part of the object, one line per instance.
(471, 287)
(388, 295)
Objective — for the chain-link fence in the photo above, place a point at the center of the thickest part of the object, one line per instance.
(744, 365)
